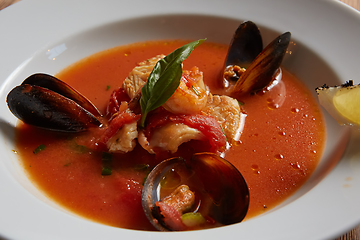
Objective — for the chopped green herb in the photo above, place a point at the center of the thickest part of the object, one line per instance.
(79, 148)
(142, 167)
(222, 129)
(192, 219)
(241, 103)
(196, 91)
(40, 148)
(107, 87)
(106, 170)
(164, 79)
(106, 164)
(82, 148)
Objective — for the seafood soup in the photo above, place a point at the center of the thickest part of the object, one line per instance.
(274, 137)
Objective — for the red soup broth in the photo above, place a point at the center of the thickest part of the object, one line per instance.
(281, 144)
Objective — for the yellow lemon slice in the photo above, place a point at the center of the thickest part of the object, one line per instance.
(347, 103)
(342, 102)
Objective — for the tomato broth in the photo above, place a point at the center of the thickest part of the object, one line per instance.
(280, 146)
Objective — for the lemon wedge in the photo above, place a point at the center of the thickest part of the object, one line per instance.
(342, 102)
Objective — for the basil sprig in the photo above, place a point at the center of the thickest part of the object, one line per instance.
(164, 79)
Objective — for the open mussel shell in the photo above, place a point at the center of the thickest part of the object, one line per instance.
(39, 101)
(221, 192)
(255, 68)
(62, 88)
(245, 45)
(262, 70)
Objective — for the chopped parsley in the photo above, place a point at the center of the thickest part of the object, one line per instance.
(196, 91)
(240, 103)
(40, 148)
(106, 164)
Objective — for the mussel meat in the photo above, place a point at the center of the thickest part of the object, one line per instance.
(203, 192)
(243, 77)
(47, 102)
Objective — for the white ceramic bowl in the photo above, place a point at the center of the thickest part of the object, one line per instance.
(44, 36)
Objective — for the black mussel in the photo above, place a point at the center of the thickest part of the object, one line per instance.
(205, 191)
(244, 47)
(62, 88)
(263, 68)
(45, 101)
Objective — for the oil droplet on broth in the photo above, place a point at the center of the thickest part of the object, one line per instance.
(260, 93)
(255, 169)
(295, 110)
(236, 143)
(271, 104)
(296, 166)
(278, 156)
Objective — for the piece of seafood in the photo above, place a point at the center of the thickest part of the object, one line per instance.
(202, 192)
(262, 69)
(139, 75)
(46, 102)
(222, 116)
(169, 137)
(191, 95)
(125, 139)
(191, 113)
(228, 113)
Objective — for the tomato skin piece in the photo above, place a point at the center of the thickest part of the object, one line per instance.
(170, 216)
(208, 126)
(117, 96)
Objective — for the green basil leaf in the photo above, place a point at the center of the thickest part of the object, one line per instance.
(164, 79)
